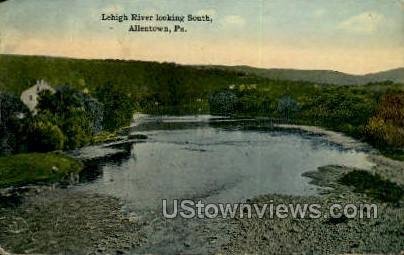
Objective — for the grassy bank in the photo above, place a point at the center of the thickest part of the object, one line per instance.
(30, 168)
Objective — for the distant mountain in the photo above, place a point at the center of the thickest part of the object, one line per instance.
(319, 76)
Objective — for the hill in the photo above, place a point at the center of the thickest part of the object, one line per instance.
(319, 76)
(157, 85)
(141, 78)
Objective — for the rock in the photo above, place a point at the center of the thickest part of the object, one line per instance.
(137, 136)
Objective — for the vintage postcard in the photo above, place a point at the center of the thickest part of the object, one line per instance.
(201, 127)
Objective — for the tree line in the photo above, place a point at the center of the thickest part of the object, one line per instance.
(64, 120)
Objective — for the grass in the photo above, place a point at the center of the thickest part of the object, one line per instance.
(32, 168)
(373, 185)
(104, 137)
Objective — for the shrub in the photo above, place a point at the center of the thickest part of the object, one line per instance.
(67, 100)
(77, 127)
(119, 107)
(223, 103)
(287, 107)
(44, 136)
(387, 126)
(11, 122)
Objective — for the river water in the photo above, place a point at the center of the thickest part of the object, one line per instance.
(217, 160)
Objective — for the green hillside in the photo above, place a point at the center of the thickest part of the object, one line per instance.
(168, 86)
(371, 111)
(142, 79)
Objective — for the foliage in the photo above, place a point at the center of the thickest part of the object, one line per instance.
(223, 103)
(95, 112)
(44, 136)
(22, 169)
(11, 112)
(340, 108)
(77, 128)
(77, 115)
(251, 102)
(67, 101)
(386, 127)
(287, 107)
(104, 137)
(119, 107)
(144, 82)
(166, 88)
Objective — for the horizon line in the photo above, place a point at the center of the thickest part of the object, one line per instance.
(201, 65)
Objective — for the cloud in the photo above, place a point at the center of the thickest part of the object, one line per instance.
(234, 20)
(365, 23)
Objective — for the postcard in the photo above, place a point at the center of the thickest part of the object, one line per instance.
(201, 127)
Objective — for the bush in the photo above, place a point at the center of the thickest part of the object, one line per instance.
(119, 107)
(223, 103)
(387, 126)
(11, 123)
(66, 101)
(77, 115)
(44, 136)
(78, 129)
(287, 107)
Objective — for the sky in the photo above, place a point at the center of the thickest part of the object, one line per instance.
(353, 36)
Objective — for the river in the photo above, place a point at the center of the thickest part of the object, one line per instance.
(217, 160)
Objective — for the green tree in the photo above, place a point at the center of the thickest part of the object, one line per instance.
(78, 128)
(12, 112)
(287, 107)
(119, 107)
(223, 103)
(44, 136)
(78, 115)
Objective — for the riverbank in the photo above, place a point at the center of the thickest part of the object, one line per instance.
(33, 168)
(324, 235)
(318, 236)
(70, 222)
(77, 221)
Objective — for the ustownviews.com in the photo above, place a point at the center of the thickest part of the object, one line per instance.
(189, 209)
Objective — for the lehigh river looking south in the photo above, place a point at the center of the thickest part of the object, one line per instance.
(214, 160)
(116, 208)
(218, 160)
